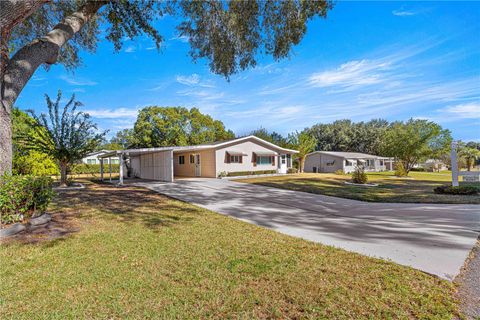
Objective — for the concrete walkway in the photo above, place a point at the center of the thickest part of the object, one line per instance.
(433, 238)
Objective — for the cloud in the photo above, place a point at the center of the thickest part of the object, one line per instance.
(353, 73)
(469, 110)
(77, 81)
(183, 39)
(403, 13)
(190, 80)
(193, 80)
(113, 113)
(130, 49)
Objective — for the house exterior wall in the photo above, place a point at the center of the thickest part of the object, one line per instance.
(153, 166)
(324, 163)
(94, 160)
(247, 147)
(207, 164)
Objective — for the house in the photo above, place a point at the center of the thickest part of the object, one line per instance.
(432, 165)
(207, 160)
(331, 161)
(92, 158)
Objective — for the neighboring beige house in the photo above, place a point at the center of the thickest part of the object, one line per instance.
(432, 165)
(331, 161)
(92, 158)
(208, 160)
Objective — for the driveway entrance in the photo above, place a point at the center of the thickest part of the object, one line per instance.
(435, 238)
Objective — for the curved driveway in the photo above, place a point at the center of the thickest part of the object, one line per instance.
(435, 238)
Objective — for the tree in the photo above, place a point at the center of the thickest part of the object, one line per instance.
(229, 34)
(470, 155)
(26, 161)
(124, 138)
(304, 143)
(176, 126)
(66, 137)
(273, 137)
(414, 141)
(348, 136)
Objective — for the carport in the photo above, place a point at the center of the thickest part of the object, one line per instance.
(148, 163)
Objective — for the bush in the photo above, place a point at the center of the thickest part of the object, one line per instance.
(292, 170)
(340, 172)
(400, 169)
(250, 173)
(418, 169)
(460, 190)
(22, 196)
(34, 163)
(359, 175)
(222, 174)
(83, 168)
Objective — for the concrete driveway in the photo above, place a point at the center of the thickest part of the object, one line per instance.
(434, 238)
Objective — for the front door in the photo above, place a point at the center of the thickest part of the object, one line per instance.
(198, 171)
(282, 164)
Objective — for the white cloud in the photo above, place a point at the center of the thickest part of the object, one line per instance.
(130, 49)
(190, 80)
(113, 113)
(181, 38)
(351, 74)
(463, 111)
(78, 81)
(403, 13)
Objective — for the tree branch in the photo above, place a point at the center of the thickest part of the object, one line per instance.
(44, 50)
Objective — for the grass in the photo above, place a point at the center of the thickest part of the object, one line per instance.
(131, 253)
(418, 187)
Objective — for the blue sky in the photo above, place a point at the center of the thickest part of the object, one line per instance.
(391, 60)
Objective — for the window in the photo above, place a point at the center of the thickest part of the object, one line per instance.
(181, 159)
(348, 163)
(114, 161)
(192, 158)
(235, 159)
(381, 162)
(284, 159)
(331, 163)
(91, 161)
(265, 160)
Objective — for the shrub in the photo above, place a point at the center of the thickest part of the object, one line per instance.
(83, 168)
(359, 175)
(418, 169)
(340, 172)
(34, 163)
(400, 169)
(22, 196)
(222, 174)
(292, 170)
(250, 173)
(460, 190)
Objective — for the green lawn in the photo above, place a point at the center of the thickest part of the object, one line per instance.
(418, 187)
(130, 253)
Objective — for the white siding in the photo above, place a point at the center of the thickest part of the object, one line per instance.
(154, 166)
(324, 163)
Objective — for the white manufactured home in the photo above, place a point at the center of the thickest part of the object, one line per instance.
(211, 160)
(331, 161)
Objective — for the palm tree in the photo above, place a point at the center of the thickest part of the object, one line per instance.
(304, 143)
(66, 137)
(470, 155)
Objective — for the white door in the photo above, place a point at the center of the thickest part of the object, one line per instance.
(282, 164)
(198, 171)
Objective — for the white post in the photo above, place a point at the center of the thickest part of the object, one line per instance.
(101, 169)
(110, 167)
(120, 182)
(453, 157)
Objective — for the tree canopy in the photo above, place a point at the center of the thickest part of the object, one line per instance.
(176, 126)
(273, 137)
(415, 140)
(304, 142)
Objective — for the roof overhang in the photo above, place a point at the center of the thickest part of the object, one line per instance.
(266, 153)
(236, 153)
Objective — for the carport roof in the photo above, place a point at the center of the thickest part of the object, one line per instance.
(194, 148)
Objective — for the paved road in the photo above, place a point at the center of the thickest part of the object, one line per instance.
(433, 238)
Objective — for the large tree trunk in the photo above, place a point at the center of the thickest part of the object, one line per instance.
(16, 72)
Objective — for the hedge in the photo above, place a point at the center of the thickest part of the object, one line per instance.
(460, 190)
(83, 168)
(22, 196)
(250, 173)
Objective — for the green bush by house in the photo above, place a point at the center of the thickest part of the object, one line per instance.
(460, 190)
(359, 175)
(250, 173)
(83, 168)
(22, 196)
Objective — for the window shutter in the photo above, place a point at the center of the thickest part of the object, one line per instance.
(227, 157)
(273, 160)
(241, 158)
(254, 159)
